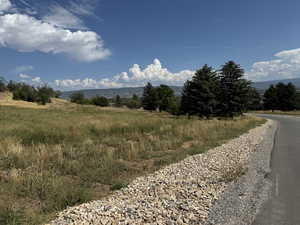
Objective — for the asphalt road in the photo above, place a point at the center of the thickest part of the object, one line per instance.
(283, 207)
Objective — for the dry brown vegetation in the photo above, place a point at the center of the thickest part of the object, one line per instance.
(6, 99)
(67, 154)
(278, 112)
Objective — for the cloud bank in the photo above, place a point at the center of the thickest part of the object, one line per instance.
(5, 5)
(26, 33)
(286, 65)
(135, 77)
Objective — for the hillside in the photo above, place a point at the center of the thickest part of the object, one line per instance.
(128, 92)
(6, 99)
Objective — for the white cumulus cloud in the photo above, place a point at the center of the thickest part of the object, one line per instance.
(5, 5)
(285, 66)
(24, 76)
(51, 34)
(37, 80)
(27, 34)
(135, 77)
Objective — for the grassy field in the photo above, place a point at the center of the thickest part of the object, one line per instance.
(55, 157)
(277, 112)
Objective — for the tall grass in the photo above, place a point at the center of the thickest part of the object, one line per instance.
(58, 157)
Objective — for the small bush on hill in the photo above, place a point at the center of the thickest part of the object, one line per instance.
(100, 101)
(78, 97)
(25, 92)
(132, 103)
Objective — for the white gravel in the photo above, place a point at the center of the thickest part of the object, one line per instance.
(181, 193)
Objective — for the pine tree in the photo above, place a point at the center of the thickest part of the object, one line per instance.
(199, 95)
(149, 99)
(297, 101)
(286, 96)
(185, 104)
(270, 98)
(292, 96)
(118, 101)
(254, 100)
(2, 84)
(234, 90)
(166, 98)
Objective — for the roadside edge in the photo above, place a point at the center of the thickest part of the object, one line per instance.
(243, 199)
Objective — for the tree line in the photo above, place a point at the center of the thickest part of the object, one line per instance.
(209, 93)
(131, 103)
(26, 92)
(79, 98)
(281, 97)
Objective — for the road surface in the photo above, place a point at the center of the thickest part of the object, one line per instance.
(283, 208)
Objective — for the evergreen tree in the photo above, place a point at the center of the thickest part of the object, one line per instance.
(270, 98)
(298, 101)
(2, 84)
(234, 90)
(166, 98)
(199, 95)
(118, 101)
(254, 100)
(186, 103)
(135, 97)
(149, 99)
(286, 96)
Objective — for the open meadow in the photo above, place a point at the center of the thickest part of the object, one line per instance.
(55, 157)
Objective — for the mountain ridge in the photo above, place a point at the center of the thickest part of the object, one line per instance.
(127, 92)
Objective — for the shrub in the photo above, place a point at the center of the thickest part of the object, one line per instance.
(77, 97)
(100, 101)
(2, 85)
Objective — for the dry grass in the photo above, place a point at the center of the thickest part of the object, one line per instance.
(68, 154)
(278, 112)
(6, 99)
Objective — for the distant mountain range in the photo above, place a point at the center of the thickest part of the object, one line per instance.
(266, 84)
(128, 92)
(112, 92)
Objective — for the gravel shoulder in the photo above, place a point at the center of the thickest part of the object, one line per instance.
(242, 200)
(202, 189)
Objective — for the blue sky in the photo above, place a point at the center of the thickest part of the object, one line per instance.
(74, 44)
